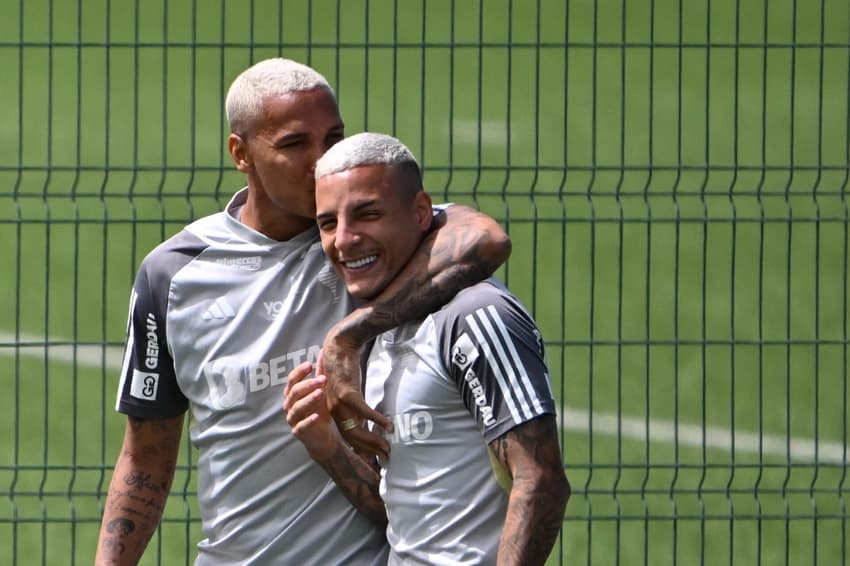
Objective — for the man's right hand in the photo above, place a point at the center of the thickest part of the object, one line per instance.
(307, 411)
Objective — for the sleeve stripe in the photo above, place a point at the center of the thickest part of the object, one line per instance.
(497, 370)
(503, 368)
(128, 348)
(528, 387)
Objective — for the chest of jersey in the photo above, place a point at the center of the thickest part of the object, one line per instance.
(241, 319)
(406, 380)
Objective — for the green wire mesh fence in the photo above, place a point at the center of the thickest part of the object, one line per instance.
(673, 174)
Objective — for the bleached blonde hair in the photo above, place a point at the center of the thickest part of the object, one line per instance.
(270, 77)
(367, 148)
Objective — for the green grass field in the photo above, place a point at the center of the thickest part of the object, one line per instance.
(673, 175)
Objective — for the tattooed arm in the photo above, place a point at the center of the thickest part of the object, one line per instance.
(464, 247)
(307, 413)
(539, 493)
(139, 489)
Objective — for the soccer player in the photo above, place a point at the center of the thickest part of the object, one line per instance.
(219, 315)
(475, 474)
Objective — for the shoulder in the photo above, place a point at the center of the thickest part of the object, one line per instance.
(482, 305)
(184, 244)
(490, 293)
(161, 264)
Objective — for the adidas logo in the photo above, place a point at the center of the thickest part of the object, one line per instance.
(219, 310)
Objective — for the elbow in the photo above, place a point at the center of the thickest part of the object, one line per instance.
(549, 486)
(564, 491)
(485, 244)
(502, 246)
(557, 487)
(495, 249)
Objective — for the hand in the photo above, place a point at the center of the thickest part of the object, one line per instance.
(307, 411)
(341, 364)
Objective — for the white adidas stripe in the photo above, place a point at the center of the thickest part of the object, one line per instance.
(500, 379)
(125, 363)
(504, 369)
(530, 391)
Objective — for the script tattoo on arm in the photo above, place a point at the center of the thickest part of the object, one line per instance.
(359, 481)
(539, 494)
(139, 489)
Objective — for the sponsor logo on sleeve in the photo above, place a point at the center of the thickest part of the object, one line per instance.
(144, 385)
(152, 345)
(464, 352)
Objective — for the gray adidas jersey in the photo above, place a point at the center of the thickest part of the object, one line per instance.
(451, 384)
(219, 316)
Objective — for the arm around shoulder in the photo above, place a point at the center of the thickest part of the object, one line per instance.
(139, 489)
(474, 238)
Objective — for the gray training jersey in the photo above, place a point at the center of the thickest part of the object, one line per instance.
(451, 384)
(219, 316)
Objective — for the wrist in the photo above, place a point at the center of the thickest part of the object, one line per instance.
(350, 333)
(325, 452)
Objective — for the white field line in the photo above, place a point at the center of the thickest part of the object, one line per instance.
(492, 132)
(717, 438)
(30, 346)
(573, 419)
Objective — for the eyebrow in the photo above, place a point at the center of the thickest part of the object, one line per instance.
(357, 207)
(337, 128)
(365, 203)
(325, 216)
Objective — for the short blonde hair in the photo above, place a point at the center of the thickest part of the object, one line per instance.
(270, 77)
(367, 148)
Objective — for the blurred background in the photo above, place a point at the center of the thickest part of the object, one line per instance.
(673, 174)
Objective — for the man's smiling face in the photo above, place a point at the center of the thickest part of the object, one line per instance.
(371, 219)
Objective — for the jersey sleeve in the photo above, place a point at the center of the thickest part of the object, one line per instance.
(148, 387)
(495, 354)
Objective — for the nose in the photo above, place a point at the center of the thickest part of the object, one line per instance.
(317, 150)
(346, 237)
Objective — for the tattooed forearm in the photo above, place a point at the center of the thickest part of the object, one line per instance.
(133, 511)
(359, 482)
(539, 493)
(139, 489)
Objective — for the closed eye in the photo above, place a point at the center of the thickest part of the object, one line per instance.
(289, 142)
(327, 225)
(370, 215)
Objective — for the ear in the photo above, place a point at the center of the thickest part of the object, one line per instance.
(424, 210)
(238, 148)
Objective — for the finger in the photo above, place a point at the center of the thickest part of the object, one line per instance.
(357, 404)
(301, 390)
(320, 363)
(303, 407)
(367, 441)
(304, 424)
(298, 374)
